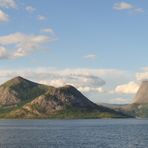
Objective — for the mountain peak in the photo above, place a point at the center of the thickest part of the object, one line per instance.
(18, 78)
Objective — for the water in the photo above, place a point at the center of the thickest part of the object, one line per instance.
(103, 133)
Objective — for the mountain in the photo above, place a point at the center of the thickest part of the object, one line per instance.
(21, 98)
(18, 90)
(139, 107)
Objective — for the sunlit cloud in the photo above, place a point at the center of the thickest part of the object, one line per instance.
(122, 6)
(24, 44)
(3, 16)
(119, 6)
(130, 88)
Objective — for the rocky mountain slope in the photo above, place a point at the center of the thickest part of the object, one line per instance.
(142, 94)
(18, 90)
(21, 98)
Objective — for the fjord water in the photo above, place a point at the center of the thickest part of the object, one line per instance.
(101, 133)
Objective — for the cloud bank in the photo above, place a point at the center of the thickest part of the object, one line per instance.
(23, 44)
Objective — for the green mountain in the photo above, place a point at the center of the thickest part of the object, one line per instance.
(18, 90)
(21, 98)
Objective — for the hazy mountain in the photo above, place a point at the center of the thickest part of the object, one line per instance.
(139, 107)
(21, 98)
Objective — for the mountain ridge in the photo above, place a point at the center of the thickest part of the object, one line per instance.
(27, 99)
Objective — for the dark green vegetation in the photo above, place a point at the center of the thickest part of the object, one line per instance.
(21, 98)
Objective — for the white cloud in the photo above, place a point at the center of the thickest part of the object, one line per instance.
(87, 89)
(123, 6)
(130, 88)
(3, 16)
(8, 4)
(90, 56)
(41, 17)
(143, 75)
(57, 82)
(127, 6)
(24, 44)
(30, 9)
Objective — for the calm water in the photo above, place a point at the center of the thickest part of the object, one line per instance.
(103, 133)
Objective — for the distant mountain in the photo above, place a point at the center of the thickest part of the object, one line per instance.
(139, 107)
(21, 98)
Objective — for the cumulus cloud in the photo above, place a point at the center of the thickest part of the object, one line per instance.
(23, 44)
(90, 56)
(127, 6)
(87, 89)
(30, 9)
(123, 6)
(3, 16)
(143, 75)
(130, 88)
(8, 4)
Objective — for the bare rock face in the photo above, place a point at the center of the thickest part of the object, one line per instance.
(142, 94)
(8, 97)
(58, 99)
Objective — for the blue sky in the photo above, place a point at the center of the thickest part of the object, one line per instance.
(98, 46)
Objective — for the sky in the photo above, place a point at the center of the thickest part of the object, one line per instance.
(100, 47)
